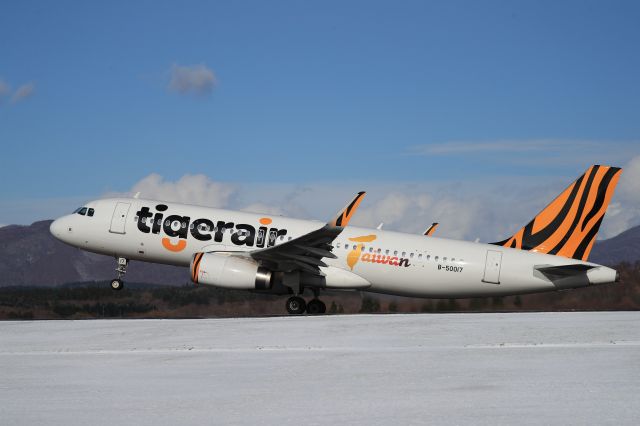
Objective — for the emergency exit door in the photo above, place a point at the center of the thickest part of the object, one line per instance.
(492, 267)
(119, 219)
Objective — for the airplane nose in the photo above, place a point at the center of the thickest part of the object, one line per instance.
(56, 228)
(59, 228)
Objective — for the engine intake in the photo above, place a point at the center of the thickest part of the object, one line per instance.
(229, 272)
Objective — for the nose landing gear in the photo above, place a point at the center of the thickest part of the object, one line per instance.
(117, 283)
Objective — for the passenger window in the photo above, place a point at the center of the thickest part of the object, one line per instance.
(91, 212)
(436, 258)
(411, 255)
(404, 253)
(395, 252)
(379, 251)
(386, 251)
(370, 249)
(419, 255)
(83, 211)
(453, 259)
(346, 246)
(444, 259)
(135, 218)
(428, 257)
(337, 245)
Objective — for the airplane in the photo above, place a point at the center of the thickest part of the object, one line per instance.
(279, 255)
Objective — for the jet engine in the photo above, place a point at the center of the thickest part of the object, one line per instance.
(229, 272)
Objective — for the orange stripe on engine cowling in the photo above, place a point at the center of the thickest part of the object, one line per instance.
(195, 267)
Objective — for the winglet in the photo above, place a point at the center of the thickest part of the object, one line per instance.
(430, 230)
(344, 216)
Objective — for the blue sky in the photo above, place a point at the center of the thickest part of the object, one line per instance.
(302, 92)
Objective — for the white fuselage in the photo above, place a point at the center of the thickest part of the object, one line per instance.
(392, 262)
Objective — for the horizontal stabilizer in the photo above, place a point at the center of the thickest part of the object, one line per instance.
(562, 271)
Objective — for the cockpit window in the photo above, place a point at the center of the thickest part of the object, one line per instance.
(77, 210)
(90, 213)
(82, 211)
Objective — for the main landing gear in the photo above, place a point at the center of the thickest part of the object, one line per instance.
(117, 283)
(297, 306)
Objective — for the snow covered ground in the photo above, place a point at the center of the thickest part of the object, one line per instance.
(542, 368)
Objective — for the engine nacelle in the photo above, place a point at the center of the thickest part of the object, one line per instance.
(229, 272)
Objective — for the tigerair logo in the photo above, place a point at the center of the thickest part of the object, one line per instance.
(356, 255)
(178, 228)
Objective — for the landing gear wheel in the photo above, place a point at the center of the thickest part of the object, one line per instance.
(117, 285)
(315, 307)
(296, 305)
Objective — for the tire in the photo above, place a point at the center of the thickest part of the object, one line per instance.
(316, 307)
(296, 305)
(116, 285)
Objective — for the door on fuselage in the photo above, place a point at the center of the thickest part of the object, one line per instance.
(119, 219)
(492, 267)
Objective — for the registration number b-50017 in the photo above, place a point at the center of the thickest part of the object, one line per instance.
(450, 268)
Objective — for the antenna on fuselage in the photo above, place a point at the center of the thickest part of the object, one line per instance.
(380, 226)
(137, 195)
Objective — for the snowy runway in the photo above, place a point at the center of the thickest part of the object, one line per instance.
(546, 368)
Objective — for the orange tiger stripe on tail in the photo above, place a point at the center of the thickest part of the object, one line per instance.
(569, 224)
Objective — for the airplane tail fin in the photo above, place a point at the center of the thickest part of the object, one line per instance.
(569, 225)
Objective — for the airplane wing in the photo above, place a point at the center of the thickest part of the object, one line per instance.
(306, 252)
(430, 230)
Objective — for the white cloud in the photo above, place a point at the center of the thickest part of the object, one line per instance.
(23, 92)
(624, 210)
(535, 153)
(504, 146)
(487, 209)
(263, 208)
(193, 189)
(189, 189)
(192, 79)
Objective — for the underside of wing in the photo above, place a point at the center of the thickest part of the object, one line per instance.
(306, 252)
